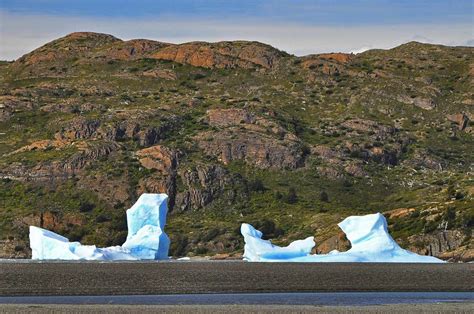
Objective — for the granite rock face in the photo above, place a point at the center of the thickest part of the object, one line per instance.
(240, 54)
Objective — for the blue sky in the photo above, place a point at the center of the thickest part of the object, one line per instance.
(348, 12)
(297, 26)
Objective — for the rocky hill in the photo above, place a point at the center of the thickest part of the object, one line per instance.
(237, 132)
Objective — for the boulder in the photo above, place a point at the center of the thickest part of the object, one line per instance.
(461, 119)
(159, 158)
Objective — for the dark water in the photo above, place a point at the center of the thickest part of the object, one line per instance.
(328, 299)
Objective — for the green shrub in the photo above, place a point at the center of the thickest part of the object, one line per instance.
(178, 245)
(256, 186)
(86, 206)
(268, 228)
(210, 234)
(323, 196)
(291, 197)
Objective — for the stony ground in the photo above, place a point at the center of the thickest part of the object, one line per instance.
(392, 308)
(95, 278)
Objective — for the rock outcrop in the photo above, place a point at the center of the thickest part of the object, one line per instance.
(133, 129)
(11, 104)
(328, 64)
(339, 57)
(131, 49)
(94, 48)
(205, 184)
(368, 126)
(129, 129)
(53, 170)
(253, 139)
(337, 242)
(441, 244)
(41, 146)
(461, 119)
(420, 102)
(254, 148)
(159, 158)
(241, 54)
(71, 46)
(228, 117)
(79, 128)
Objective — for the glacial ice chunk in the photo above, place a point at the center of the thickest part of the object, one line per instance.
(146, 221)
(257, 249)
(146, 238)
(369, 237)
(47, 245)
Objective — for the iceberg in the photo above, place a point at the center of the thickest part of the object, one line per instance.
(257, 249)
(146, 237)
(146, 221)
(369, 237)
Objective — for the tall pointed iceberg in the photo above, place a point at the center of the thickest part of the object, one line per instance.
(146, 238)
(146, 221)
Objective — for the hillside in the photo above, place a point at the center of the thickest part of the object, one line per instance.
(237, 132)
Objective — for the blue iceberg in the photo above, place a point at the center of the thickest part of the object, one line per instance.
(146, 221)
(369, 237)
(146, 238)
(256, 248)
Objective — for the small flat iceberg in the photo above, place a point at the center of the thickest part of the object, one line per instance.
(257, 249)
(369, 237)
(146, 238)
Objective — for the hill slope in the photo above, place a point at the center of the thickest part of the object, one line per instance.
(237, 132)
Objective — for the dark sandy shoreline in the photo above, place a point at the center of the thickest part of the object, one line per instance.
(152, 278)
(139, 309)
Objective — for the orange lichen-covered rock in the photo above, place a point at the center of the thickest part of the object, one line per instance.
(339, 57)
(222, 54)
(158, 157)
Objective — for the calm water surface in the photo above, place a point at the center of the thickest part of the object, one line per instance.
(334, 299)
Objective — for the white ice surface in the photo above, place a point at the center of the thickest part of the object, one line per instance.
(257, 249)
(146, 221)
(369, 237)
(146, 238)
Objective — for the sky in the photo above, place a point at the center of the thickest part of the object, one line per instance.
(299, 27)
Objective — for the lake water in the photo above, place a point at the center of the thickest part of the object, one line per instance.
(323, 299)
